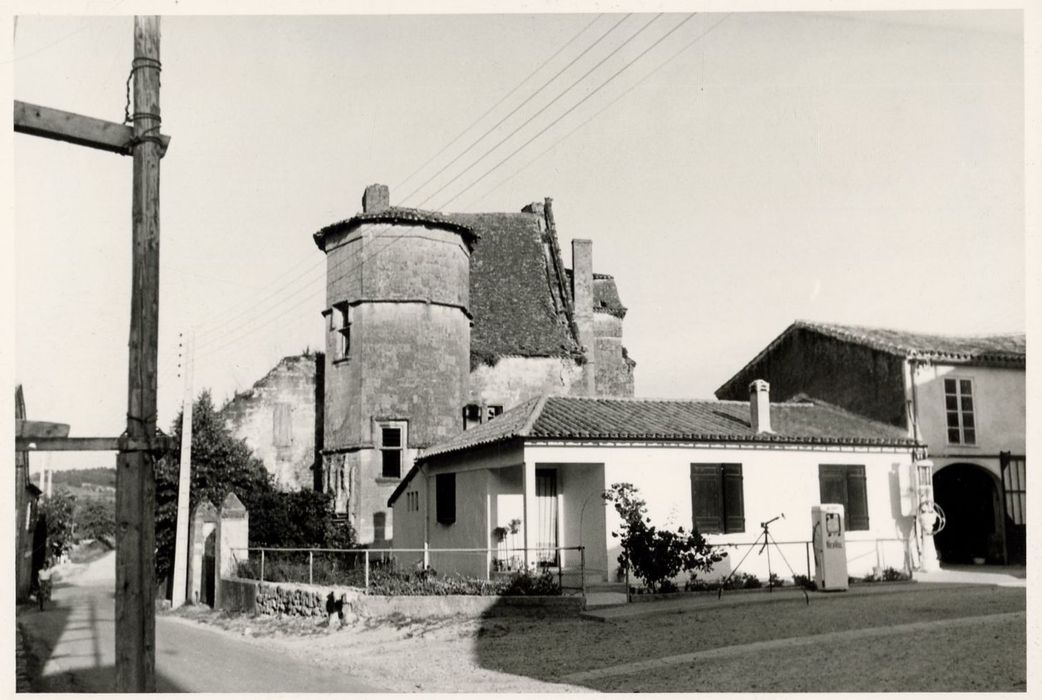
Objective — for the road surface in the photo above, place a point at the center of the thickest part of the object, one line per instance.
(74, 640)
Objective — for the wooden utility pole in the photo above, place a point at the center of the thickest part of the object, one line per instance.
(135, 478)
(141, 442)
(184, 481)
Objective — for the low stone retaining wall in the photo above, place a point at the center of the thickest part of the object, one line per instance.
(302, 600)
(298, 599)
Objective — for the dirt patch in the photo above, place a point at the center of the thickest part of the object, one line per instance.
(498, 654)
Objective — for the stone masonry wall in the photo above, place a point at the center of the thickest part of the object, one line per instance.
(277, 417)
(513, 380)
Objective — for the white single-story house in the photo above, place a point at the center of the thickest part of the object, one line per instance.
(533, 479)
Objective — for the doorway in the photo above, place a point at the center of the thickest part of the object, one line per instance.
(969, 496)
(546, 512)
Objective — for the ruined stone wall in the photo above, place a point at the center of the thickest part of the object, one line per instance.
(862, 380)
(277, 417)
(513, 380)
(614, 373)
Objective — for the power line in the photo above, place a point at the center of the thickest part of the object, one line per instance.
(497, 104)
(212, 345)
(598, 112)
(316, 268)
(545, 107)
(515, 109)
(570, 109)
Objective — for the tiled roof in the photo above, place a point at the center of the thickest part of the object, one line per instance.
(395, 215)
(510, 299)
(563, 417)
(1003, 347)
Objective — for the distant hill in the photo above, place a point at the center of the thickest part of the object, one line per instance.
(86, 478)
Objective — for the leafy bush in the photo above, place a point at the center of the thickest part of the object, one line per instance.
(95, 519)
(775, 580)
(656, 555)
(869, 578)
(892, 574)
(743, 580)
(804, 582)
(526, 583)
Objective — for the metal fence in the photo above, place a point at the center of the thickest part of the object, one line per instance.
(358, 567)
(880, 553)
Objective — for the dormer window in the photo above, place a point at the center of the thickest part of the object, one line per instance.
(476, 414)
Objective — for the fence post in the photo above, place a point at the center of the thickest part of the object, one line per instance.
(806, 547)
(367, 572)
(311, 567)
(879, 561)
(262, 565)
(582, 570)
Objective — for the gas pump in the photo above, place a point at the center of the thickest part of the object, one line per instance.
(829, 543)
(929, 517)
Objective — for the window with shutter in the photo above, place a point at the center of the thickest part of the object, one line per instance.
(734, 500)
(846, 484)
(445, 498)
(717, 500)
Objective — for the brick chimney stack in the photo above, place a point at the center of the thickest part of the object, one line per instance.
(377, 198)
(760, 406)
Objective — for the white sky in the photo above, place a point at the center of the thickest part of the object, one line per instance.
(862, 168)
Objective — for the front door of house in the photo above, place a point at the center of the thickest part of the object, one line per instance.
(546, 512)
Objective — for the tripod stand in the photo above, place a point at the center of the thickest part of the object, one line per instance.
(767, 541)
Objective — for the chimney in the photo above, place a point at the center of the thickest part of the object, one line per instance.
(760, 406)
(376, 198)
(582, 300)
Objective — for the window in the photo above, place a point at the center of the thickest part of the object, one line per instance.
(282, 426)
(471, 416)
(379, 526)
(340, 324)
(845, 484)
(958, 405)
(391, 451)
(412, 501)
(476, 414)
(716, 498)
(445, 498)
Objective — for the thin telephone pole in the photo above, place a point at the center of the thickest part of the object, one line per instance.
(184, 481)
(135, 485)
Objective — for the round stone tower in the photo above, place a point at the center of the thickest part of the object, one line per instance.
(397, 349)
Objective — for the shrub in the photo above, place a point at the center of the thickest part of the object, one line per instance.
(526, 583)
(892, 574)
(869, 578)
(775, 580)
(804, 582)
(656, 555)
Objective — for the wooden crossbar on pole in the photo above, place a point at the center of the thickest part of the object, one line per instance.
(59, 125)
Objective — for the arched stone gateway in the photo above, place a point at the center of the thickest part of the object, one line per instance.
(969, 496)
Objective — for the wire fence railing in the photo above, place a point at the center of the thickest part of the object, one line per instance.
(361, 568)
(798, 555)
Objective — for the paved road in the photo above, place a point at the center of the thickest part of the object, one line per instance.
(74, 638)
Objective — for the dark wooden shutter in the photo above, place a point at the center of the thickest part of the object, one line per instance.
(857, 499)
(445, 497)
(707, 498)
(832, 480)
(734, 501)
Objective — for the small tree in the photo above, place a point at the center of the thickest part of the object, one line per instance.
(57, 512)
(655, 556)
(95, 519)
